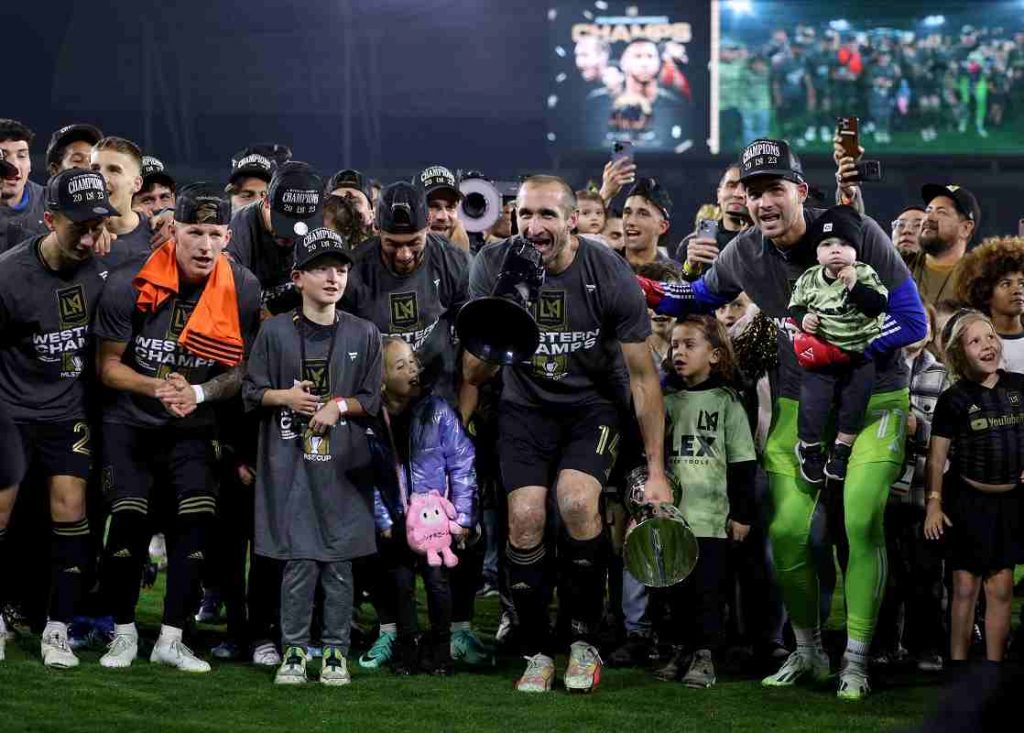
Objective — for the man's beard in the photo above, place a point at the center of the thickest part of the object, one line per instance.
(931, 244)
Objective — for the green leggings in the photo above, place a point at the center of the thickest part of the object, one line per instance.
(874, 466)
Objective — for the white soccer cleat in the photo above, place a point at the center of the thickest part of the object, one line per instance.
(174, 653)
(584, 671)
(121, 652)
(800, 665)
(853, 683)
(55, 650)
(539, 674)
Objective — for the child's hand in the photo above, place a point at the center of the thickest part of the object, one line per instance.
(936, 521)
(738, 532)
(326, 417)
(911, 425)
(300, 400)
(849, 276)
(810, 323)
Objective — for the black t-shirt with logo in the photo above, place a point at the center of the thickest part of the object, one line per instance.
(153, 349)
(584, 313)
(45, 341)
(420, 307)
(255, 248)
(129, 248)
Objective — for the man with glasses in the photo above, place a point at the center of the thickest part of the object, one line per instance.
(906, 229)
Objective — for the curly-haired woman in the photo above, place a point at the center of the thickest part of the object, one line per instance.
(992, 281)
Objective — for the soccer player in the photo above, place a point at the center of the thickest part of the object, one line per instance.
(71, 147)
(22, 201)
(49, 289)
(171, 339)
(119, 161)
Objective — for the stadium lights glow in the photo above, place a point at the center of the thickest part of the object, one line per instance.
(934, 21)
(840, 26)
(741, 7)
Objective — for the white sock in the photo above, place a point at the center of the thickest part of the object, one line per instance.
(389, 628)
(169, 633)
(461, 626)
(52, 626)
(128, 629)
(808, 640)
(856, 654)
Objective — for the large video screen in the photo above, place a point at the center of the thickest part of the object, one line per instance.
(937, 77)
(635, 71)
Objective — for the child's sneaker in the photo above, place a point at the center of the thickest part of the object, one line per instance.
(293, 669)
(839, 456)
(334, 671)
(812, 462)
(701, 673)
(380, 653)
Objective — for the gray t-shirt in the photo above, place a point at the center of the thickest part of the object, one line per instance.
(17, 225)
(314, 493)
(153, 349)
(45, 343)
(584, 313)
(420, 307)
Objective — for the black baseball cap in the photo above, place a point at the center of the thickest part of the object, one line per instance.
(650, 189)
(296, 200)
(838, 222)
(80, 195)
(350, 178)
(79, 132)
(199, 195)
(319, 243)
(437, 178)
(964, 200)
(402, 209)
(251, 163)
(770, 158)
(153, 172)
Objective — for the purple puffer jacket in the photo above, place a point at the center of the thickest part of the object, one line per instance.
(441, 458)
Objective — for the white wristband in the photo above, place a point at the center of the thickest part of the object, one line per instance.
(200, 395)
(342, 405)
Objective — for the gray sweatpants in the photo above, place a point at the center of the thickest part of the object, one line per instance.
(298, 591)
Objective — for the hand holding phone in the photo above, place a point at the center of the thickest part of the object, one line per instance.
(848, 130)
(622, 151)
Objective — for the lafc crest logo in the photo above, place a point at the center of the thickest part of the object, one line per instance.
(551, 312)
(315, 371)
(404, 310)
(180, 313)
(316, 447)
(73, 314)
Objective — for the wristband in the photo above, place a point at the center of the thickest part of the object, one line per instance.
(200, 395)
(342, 405)
(935, 495)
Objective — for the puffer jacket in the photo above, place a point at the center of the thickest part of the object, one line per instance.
(928, 379)
(441, 458)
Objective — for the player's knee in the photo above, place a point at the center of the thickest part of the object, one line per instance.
(965, 588)
(999, 589)
(67, 506)
(525, 524)
(864, 528)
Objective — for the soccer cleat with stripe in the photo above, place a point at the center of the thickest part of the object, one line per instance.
(584, 671)
(293, 669)
(381, 652)
(853, 683)
(55, 650)
(265, 655)
(800, 665)
(539, 674)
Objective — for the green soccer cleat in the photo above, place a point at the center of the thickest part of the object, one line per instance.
(381, 652)
(467, 647)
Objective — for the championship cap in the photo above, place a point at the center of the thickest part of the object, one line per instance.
(153, 172)
(295, 195)
(79, 132)
(437, 178)
(402, 209)
(80, 195)
(319, 243)
(196, 196)
(770, 158)
(251, 163)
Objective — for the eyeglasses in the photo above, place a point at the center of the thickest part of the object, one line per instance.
(910, 225)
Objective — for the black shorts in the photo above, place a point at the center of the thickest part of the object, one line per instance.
(986, 533)
(12, 457)
(136, 458)
(60, 448)
(536, 444)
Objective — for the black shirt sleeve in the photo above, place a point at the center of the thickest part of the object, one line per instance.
(798, 312)
(115, 310)
(946, 416)
(868, 301)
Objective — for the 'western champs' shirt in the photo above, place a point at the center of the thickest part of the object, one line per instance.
(420, 307)
(19, 224)
(153, 349)
(707, 430)
(45, 341)
(584, 314)
(314, 493)
(254, 247)
(986, 427)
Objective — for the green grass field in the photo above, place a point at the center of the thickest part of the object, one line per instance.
(237, 697)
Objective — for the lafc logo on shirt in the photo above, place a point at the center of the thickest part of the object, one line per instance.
(315, 371)
(316, 447)
(71, 302)
(551, 312)
(404, 310)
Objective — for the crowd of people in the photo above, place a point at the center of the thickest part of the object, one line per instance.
(267, 373)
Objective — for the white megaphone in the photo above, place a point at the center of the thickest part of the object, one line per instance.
(480, 206)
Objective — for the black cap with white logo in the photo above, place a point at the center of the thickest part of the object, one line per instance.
(251, 163)
(197, 197)
(80, 195)
(402, 209)
(320, 242)
(295, 195)
(963, 199)
(80, 132)
(153, 172)
(770, 159)
(438, 179)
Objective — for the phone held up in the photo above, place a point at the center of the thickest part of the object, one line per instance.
(848, 131)
(622, 151)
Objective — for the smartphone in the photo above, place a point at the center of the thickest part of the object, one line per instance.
(869, 171)
(707, 229)
(848, 129)
(622, 150)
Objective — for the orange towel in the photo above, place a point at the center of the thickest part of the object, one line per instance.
(213, 330)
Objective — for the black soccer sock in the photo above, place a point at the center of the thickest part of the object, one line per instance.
(585, 564)
(185, 564)
(70, 566)
(527, 579)
(126, 551)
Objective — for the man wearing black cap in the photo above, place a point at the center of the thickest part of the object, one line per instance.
(410, 282)
(251, 171)
(352, 185)
(172, 337)
(263, 234)
(119, 161)
(22, 201)
(764, 262)
(49, 289)
(71, 147)
(155, 200)
(443, 197)
(950, 223)
(645, 217)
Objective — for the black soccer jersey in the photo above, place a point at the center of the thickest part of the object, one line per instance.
(45, 340)
(254, 247)
(129, 248)
(986, 427)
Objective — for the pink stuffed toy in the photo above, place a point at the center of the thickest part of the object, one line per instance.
(429, 526)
